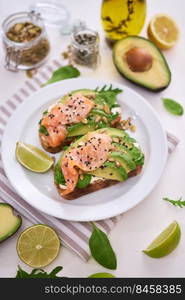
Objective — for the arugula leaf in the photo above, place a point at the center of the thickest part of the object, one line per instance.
(108, 94)
(58, 175)
(38, 273)
(173, 107)
(43, 130)
(100, 112)
(101, 249)
(180, 203)
(63, 73)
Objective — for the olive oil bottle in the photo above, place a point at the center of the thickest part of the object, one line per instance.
(122, 17)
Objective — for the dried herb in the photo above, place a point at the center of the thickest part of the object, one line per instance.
(63, 73)
(173, 107)
(121, 28)
(101, 249)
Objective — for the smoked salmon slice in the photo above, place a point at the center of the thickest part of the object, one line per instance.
(87, 156)
(73, 111)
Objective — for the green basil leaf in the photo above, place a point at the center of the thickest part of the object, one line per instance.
(173, 107)
(101, 249)
(101, 275)
(43, 130)
(58, 175)
(21, 273)
(55, 271)
(63, 73)
(82, 183)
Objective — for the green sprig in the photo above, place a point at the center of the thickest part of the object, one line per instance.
(180, 203)
(38, 273)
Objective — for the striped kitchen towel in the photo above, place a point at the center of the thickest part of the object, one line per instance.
(74, 235)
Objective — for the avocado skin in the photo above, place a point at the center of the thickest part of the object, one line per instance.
(17, 226)
(155, 90)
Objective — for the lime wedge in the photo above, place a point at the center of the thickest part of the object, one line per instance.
(166, 242)
(38, 246)
(101, 275)
(33, 158)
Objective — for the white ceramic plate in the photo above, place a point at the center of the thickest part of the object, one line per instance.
(39, 190)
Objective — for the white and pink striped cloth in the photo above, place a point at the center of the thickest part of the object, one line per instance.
(74, 235)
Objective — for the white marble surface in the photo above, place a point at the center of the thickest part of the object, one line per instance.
(141, 224)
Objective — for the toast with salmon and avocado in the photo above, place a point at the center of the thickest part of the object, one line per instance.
(77, 113)
(97, 160)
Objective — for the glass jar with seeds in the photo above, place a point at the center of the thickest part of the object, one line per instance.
(85, 46)
(25, 41)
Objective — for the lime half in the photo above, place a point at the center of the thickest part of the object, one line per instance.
(166, 242)
(101, 275)
(33, 158)
(38, 246)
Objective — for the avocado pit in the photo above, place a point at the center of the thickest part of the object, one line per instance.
(138, 59)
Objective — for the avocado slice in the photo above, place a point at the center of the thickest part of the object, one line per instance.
(133, 153)
(9, 223)
(84, 92)
(81, 129)
(109, 170)
(145, 65)
(125, 161)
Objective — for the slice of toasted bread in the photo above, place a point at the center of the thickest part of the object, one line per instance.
(95, 186)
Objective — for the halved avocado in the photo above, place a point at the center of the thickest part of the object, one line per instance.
(141, 62)
(9, 223)
(110, 171)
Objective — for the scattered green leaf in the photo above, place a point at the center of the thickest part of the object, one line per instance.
(43, 130)
(38, 273)
(173, 107)
(101, 249)
(63, 73)
(180, 203)
(108, 94)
